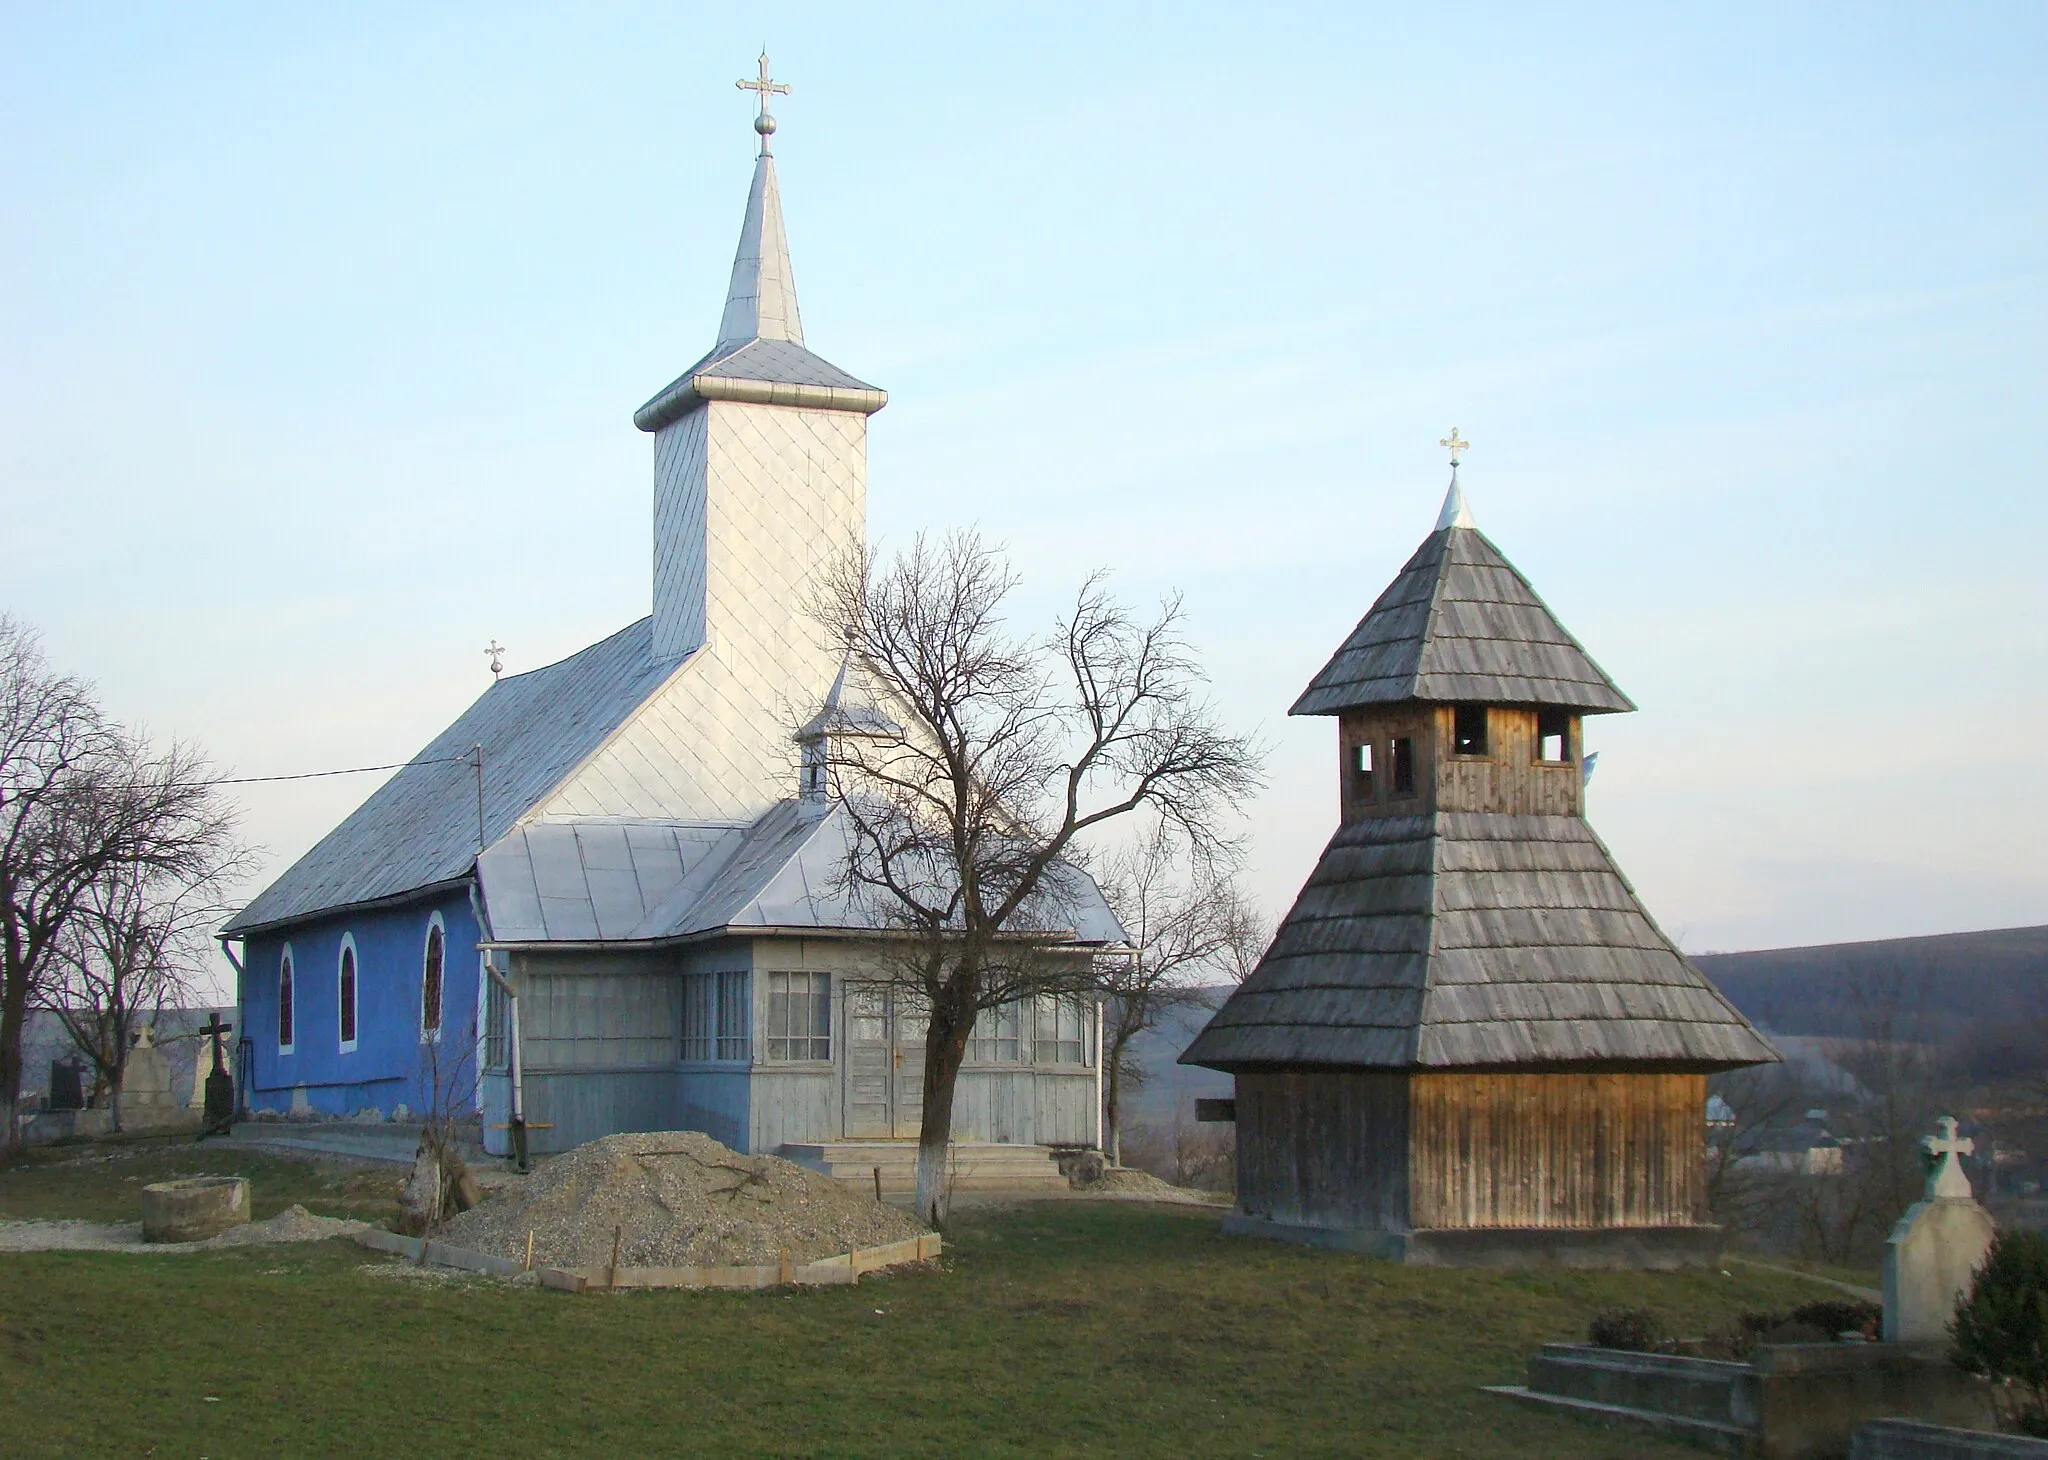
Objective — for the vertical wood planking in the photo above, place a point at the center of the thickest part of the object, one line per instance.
(1558, 1150)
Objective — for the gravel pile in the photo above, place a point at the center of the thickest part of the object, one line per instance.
(293, 1224)
(1126, 1181)
(682, 1200)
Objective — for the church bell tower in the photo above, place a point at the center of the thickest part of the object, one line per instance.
(760, 467)
(1468, 1042)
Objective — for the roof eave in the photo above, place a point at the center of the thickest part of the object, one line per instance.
(1063, 939)
(238, 934)
(692, 391)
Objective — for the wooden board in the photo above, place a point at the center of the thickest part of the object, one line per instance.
(845, 1268)
(831, 1271)
(439, 1254)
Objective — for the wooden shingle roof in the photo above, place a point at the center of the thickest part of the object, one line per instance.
(1460, 623)
(1468, 940)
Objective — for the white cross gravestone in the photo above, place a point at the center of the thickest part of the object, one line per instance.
(1936, 1247)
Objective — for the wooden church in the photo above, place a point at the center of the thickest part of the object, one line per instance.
(1469, 1043)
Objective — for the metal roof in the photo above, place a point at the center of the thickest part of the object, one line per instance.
(760, 354)
(420, 827)
(1473, 940)
(651, 882)
(1460, 623)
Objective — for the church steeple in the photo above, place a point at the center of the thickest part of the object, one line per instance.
(760, 479)
(761, 303)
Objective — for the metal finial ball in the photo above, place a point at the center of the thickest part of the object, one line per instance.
(764, 124)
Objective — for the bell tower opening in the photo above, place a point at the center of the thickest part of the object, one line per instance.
(1468, 730)
(1553, 736)
(1404, 765)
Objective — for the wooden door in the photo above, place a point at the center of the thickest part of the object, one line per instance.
(869, 1064)
(910, 1017)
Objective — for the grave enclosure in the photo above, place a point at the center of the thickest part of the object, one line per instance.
(1806, 1401)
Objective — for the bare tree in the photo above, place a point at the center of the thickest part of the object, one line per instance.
(966, 824)
(141, 933)
(52, 738)
(1183, 921)
(77, 802)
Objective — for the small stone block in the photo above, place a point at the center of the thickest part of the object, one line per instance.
(193, 1209)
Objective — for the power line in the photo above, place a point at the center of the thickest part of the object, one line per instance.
(359, 770)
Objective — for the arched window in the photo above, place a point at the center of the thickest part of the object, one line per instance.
(430, 978)
(347, 982)
(284, 1001)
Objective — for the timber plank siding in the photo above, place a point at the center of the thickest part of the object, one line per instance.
(1557, 1150)
(1324, 1149)
(1404, 1152)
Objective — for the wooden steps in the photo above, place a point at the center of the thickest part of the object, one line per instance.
(976, 1166)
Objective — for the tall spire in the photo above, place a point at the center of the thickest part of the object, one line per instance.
(761, 303)
(1455, 513)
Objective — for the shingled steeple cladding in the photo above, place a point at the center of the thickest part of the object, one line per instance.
(1467, 998)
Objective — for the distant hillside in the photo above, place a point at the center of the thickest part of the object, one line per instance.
(1984, 993)
(1168, 1085)
(1944, 986)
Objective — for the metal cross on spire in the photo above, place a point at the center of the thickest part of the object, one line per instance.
(764, 88)
(1454, 445)
(497, 652)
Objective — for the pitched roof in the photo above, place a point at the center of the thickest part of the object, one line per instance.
(420, 827)
(1469, 939)
(1460, 623)
(652, 882)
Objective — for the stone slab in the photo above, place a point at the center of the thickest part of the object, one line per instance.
(1905, 1439)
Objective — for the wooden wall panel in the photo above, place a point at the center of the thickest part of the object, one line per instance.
(1508, 779)
(1326, 1150)
(1558, 1150)
(581, 1106)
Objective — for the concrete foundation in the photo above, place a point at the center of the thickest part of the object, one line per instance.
(1799, 1401)
(1657, 1249)
(1905, 1439)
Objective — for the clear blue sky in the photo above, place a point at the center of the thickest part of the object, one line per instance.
(323, 327)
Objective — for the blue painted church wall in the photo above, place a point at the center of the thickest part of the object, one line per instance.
(390, 1064)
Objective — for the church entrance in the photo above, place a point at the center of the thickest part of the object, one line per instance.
(885, 1031)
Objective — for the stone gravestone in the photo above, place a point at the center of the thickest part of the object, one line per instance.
(145, 1100)
(67, 1085)
(1936, 1247)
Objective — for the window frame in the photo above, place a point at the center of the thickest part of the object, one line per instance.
(1364, 785)
(816, 1038)
(431, 1033)
(1004, 1025)
(287, 1002)
(348, 994)
(1563, 736)
(493, 1020)
(732, 1022)
(1464, 711)
(1054, 1008)
(717, 1016)
(1401, 771)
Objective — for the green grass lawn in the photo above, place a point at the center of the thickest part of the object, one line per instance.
(103, 1181)
(1050, 1329)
